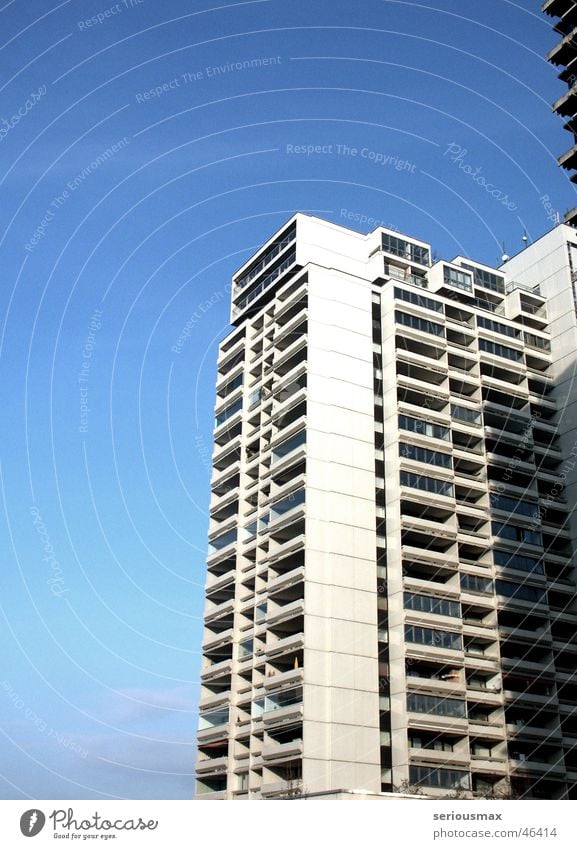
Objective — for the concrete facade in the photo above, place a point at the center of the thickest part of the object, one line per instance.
(390, 588)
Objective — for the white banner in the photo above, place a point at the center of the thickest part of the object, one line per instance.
(175, 824)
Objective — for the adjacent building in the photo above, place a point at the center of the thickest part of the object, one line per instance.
(564, 57)
(390, 597)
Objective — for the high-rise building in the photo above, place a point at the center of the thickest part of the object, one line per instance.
(390, 600)
(564, 56)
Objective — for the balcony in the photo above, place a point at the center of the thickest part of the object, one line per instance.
(288, 579)
(280, 752)
(284, 268)
(211, 766)
(488, 729)
(208, 795)
(224, 458)
(212, 734)
(285, 613)
(264, 261)
(224, 609)
(557, 8)
(288, 644)
(216, 670)
(214, 701)
(568, 159)
(565, 50)
(276, 680)
(438, 758)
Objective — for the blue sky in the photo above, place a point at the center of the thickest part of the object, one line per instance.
(123, 214)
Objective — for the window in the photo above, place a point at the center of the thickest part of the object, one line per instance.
(427, 484)
(438, 744)
(418, 300)
(476, 584)
(457, 279)
(513, 505)
(481, 750)
(222, 541)
(406, 250)
(516, 533)
(424, 455)
(431, 604)
(286, 238)
(254, 398)
(430, 637)
(487, 279)
(295, 499)
(437, 705)
(233, 384)
(518, 561)
(245, 649)
(266, 282)
(448, 779)
(497, 326)
(465, 414)
(290, 444)
(285, 698)
(500, 350)
(537, 341)
(249, 532)
(421, 324)
(424, 427)
(525, 592)
(228, 412)
(215, 717)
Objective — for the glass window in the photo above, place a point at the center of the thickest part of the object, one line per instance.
(427, 484)
(537, 341)
(437, 705)
(424, 427)
(295, 499)
(513, 505)
(518, 561)
(487, 279)
(245, 649)
(500, 350)
(284, 448)
(457, 279)
(424, 455)
(475, 583)
(222, 541)
(418, 300)
(448, 779)
(438, 744)
(257, 707)
(228, 412)
(422, 324)
(525, 592)
(431, 637)
(266, 282)
(233, 384)
(465, 414)
(497, 326)
(431, 604)
(406, 250)
(285, 239)
(254, 398)
(260, 611)
(214, 718)
(516, 533)
(284, 698)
